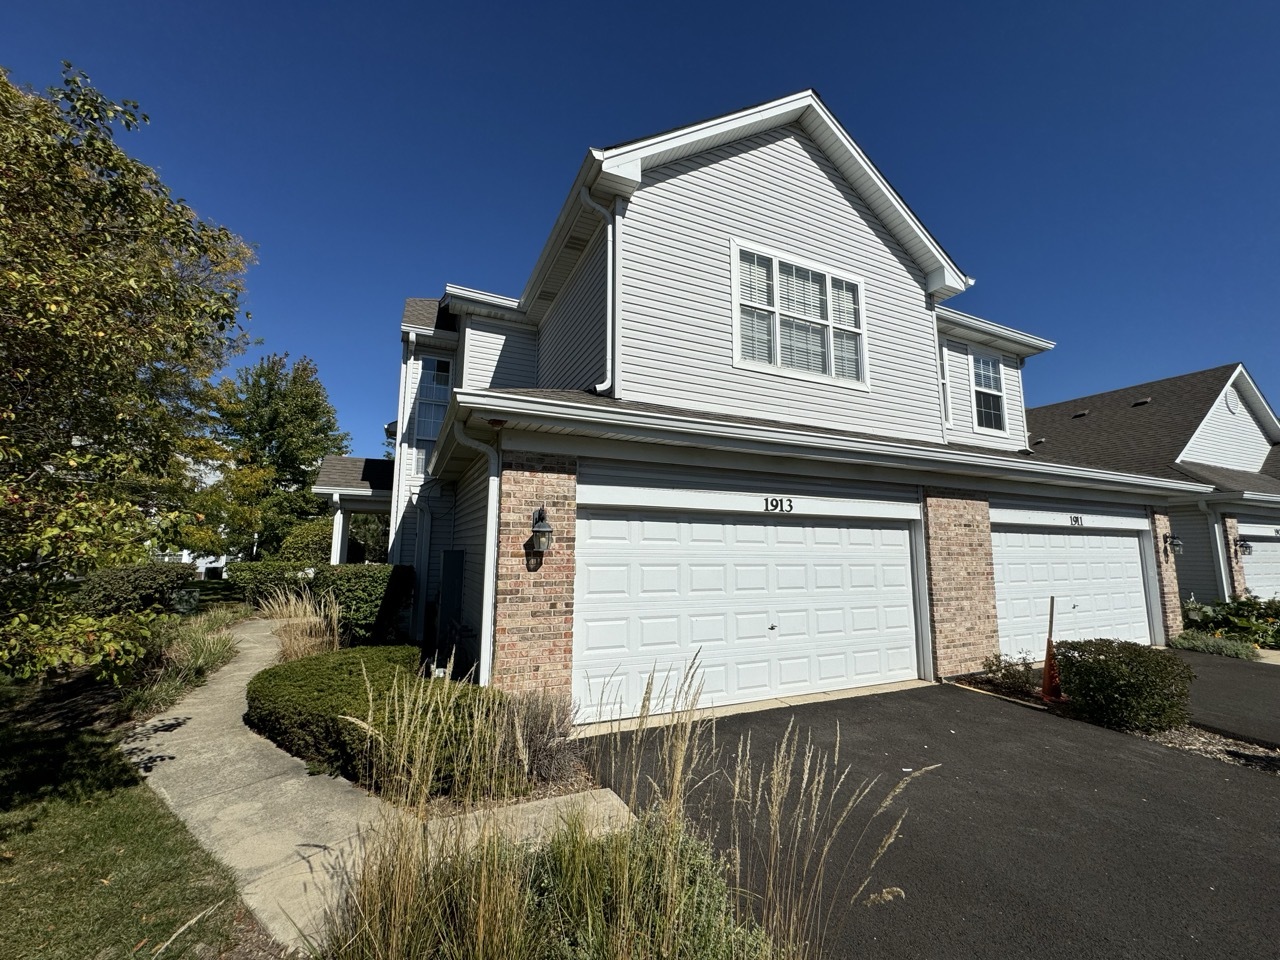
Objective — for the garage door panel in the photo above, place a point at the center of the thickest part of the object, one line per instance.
(836, 593)
(1096, 578)
(1262, 568)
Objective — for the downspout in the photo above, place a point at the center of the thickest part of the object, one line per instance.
(490, 550)
(1220, 559)
(605, 387)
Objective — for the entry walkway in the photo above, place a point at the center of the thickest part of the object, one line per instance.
(287, 835)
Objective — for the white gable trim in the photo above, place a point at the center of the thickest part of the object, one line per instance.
(965, 326)
(1257, 404)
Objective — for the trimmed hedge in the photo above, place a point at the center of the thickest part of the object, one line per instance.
(257, 580)
(134, 588)
(309, 544)
(1124, 686)
(374, 598)
(1203, 642)
(297, 705)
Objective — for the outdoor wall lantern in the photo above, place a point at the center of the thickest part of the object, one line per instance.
(1172, 543)
(540, 542)
(1244, 547)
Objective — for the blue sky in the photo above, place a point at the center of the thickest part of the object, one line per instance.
(1106, 171)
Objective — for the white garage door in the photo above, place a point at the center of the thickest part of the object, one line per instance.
(1262, 568)
(1096, 578)
(771, 606)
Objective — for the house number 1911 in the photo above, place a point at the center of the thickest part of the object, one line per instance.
(1077, 520)
(778, 505)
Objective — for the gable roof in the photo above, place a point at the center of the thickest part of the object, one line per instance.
(1146, 427)
(617, 171)
(420, 312)
(354, 475)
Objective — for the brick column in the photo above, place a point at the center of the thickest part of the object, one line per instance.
(1166, 573)
(962, 589)
(1235, 563)
(533, 616)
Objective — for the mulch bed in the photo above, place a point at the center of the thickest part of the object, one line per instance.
(1188, 738)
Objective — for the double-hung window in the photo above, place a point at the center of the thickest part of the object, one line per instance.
(799, 318)
(434, 382)
(988, 393)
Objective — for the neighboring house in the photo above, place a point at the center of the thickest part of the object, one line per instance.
(352, 485)
(756, 436)
(207, 568)
(1213, 427)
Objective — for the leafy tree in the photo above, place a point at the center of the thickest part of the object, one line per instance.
(117, 305)
(276, 424)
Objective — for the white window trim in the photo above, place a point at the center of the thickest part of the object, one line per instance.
(735, 249)
(416, 470)
(944, 383)
(1004, 393)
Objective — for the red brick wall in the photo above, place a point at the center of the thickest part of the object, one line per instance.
(1235, 564)
(962, 590)
(533, 616)
(1166, 574)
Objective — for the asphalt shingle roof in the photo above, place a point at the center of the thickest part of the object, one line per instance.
(421, 312)
(1116, 430)
(357, 474)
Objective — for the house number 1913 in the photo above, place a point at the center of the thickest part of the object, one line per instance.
(778, 505)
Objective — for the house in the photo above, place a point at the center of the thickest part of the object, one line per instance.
(733, 405)
(352, 485)
(1213, 427)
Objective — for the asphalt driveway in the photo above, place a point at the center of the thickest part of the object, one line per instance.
(1048, 838)
(1236, 698)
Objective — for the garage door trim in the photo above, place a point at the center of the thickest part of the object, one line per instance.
(715, 501)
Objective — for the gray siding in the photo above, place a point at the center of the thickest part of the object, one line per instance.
(778, 191)
(960, 392)
(1229, 439)
(1196, 573)
(499, 354)
(571, 337)
(437, 501)
(469, 518)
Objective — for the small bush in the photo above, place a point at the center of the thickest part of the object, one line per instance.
(299, 705)
(133, 589)
(180, 655)
(374, 599)
(1203, 642)
(305, 625)
(1013, 675)
(1125, 686)
(309, 544)
(255, 582)
(1247, 618)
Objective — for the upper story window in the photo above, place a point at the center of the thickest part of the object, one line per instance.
(988, 393)
(799, 318)
(434, 384)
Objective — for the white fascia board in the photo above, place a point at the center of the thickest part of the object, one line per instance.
(349, 492)
(626, 164)
(480, 301)
(692, 430)
(1261, 409)
(587, 175)
(987, 333)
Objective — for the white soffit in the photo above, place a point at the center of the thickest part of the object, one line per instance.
(973, 329)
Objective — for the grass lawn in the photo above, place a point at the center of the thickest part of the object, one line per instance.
(93, 865)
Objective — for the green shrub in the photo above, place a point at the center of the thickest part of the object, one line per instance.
(257, 581)
(298, 705)
(132, 589)
(1245, 618)
(309, 544)
(374, 599)
(1013, 675)
(1125, 686)
(1203, 642)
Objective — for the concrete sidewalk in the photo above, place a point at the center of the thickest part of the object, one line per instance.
(287, 835)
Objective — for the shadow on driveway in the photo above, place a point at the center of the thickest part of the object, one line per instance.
(1044, 837)
(1236, 698)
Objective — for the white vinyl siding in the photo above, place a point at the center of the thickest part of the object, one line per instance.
(772, 192)
(955, 355)
(571, 338)
(1226, 439)
(1196, 572)
(470, 515)
(499, 354)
